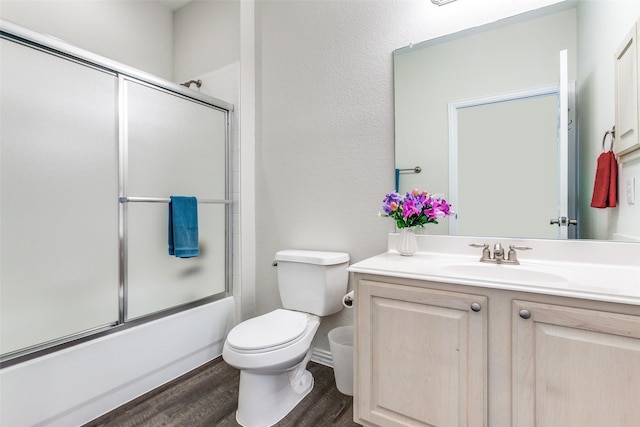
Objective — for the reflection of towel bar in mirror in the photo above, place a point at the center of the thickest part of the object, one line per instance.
(167, 200)
(417, 169)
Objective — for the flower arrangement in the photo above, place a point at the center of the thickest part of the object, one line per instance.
(415, 209)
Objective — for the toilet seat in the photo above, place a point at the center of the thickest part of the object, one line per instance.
(268, 332)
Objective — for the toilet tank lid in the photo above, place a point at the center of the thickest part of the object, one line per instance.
(312, 257)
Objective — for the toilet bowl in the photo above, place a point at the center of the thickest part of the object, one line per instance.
(272, 350)
(273, 375)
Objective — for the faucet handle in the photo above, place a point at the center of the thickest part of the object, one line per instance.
(486, 253)
(513, 256)
(479, 245)
(520, 248)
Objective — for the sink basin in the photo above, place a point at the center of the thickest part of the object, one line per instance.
(501, 273)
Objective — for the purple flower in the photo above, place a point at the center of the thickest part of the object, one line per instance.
(415, 208)
(410, 208)
(388, 200)
(441, 208)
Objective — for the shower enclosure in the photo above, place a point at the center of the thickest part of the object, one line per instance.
(91, 150)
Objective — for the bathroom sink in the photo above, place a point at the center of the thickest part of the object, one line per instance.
(502, 273)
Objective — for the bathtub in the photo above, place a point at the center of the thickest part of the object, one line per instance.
(80, 383)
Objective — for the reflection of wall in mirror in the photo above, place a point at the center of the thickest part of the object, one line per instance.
(427, 79)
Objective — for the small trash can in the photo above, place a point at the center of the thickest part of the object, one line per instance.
(341, 346)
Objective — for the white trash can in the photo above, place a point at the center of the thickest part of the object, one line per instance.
(341, 345)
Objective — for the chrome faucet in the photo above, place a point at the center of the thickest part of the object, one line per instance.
(498, 253)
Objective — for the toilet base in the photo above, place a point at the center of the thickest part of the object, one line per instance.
(267, 397)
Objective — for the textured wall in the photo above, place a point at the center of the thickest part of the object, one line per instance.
(324, 126)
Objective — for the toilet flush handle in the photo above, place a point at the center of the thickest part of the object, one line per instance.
(275, 263)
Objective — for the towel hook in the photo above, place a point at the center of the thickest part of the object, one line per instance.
(611, 132)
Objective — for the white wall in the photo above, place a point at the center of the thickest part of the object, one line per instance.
(324, 142)
(136, 33)
(596, 108)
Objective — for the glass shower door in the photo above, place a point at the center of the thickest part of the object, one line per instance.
(59, 181)
(174, 146)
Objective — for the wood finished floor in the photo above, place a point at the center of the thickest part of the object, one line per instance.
(208, 396)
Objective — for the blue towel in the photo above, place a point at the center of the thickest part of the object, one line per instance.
(183, 227)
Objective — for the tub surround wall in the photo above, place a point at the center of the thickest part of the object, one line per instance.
(207, 39)
(75, 385)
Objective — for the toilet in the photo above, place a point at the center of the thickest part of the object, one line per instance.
(272, 350)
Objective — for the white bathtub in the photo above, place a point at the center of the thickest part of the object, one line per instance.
(75, 385)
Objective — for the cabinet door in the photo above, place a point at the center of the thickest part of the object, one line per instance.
(574, 367)
(627, 95)
(421, 356)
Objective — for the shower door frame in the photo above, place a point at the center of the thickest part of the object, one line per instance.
(53, 46)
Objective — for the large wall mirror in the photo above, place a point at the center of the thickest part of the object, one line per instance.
(507, 120)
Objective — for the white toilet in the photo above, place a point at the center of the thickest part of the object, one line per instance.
(272, 350)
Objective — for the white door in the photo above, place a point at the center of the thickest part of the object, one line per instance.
(562, 221)
(509, 155)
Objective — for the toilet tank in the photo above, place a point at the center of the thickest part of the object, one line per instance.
(312, 281)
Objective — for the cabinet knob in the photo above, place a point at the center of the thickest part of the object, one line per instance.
(475, 307)
(525, 314)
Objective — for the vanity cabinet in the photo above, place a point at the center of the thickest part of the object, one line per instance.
(421, 357)
(574, 367)
(443, 354)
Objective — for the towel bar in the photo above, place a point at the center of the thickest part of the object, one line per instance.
(167, 200)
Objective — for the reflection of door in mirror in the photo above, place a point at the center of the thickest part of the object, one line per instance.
(507, 161)
(519, 142)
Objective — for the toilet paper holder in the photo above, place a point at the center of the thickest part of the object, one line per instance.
(348, 299)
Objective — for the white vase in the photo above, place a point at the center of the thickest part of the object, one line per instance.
(407, 244)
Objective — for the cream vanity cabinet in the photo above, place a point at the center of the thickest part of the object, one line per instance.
(421, 356)
(575, 367)
(438, 354)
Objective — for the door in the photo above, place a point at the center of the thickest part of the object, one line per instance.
(421, 356)
(511, 153)
(59, 186)
(574, 367)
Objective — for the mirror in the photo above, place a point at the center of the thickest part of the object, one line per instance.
(517, 54)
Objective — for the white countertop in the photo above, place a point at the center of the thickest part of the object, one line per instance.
(603, 271)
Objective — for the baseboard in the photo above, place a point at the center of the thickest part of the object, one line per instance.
(322, 357)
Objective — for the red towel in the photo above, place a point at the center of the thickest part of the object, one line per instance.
(605, 187)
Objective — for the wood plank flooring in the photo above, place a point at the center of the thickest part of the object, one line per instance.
(208, 396)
